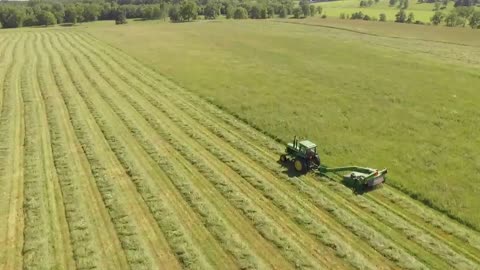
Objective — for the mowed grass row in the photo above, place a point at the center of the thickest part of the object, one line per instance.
(453, 259)
(11, 157)
(46, 240)
(139, 238)
(279, 241)
(239, 171)
(180, 239)
(91, 232)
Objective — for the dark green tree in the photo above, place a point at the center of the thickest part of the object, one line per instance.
(411, 18)
(313, 10)
(240, 13)
(401, 16)
(383, 17)
(189, 10)
(71, 14)
(211, 10)
(437, 18)
(91, 12)
(121, 17)
(59, 11)
(305, 7)
(475, 20)
(174, 13)
(230, 11)
(297, 13)
(283, 12)
(453, 19)
(254, 12)
(12, 17)
(46, 18)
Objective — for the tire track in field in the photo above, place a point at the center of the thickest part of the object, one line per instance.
(91, 231)
(4, 63)
(117, 72)
(11, 164)
(46, 239)
(143, 170)
(138, 231)
(260, 199)
(3, 45)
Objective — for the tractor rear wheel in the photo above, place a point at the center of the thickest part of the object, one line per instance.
(299, 165)
(283, 158)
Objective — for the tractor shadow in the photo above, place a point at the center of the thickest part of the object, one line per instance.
(289, 169)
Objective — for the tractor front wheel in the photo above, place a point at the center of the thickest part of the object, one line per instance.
(299, 165)
(283, 158)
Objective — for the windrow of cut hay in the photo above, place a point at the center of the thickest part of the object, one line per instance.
(160, 206)
(11, 157)
(91, 143)
(84, 212)
(45, 229)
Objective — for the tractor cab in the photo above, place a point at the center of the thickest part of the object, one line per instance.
(302, 153)
(307, 147)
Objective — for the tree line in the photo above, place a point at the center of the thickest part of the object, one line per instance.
(44, 13)
(459, 16)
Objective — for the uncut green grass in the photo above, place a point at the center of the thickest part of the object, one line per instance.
(402, 103)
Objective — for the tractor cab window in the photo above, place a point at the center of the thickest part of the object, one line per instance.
(312, 151)
(302, 149)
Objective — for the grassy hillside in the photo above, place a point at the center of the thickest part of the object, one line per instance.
(423, 11)
(401, 102)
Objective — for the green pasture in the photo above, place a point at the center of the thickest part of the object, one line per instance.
(406, 100)
(422, 11)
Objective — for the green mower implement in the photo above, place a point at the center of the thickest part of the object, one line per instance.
(303, 154)
(365, 176)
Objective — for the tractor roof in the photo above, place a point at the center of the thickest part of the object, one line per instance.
(308, 144)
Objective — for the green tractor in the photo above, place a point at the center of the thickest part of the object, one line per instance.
(303, 154)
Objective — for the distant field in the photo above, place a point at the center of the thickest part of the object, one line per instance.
(423, 12)
(406, 100)
(106, 164)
